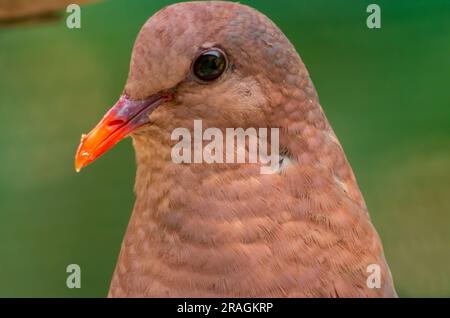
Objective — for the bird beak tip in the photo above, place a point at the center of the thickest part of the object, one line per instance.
(79, 164)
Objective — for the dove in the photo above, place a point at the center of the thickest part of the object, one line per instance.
(226, 229)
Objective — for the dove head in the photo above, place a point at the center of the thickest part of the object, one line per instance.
(221, 62)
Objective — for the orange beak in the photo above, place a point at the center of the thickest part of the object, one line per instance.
(124, 117)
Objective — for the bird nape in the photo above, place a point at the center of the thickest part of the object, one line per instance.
(224, 229)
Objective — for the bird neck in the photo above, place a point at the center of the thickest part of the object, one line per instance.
(185, 213)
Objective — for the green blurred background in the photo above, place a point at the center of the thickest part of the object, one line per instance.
(385, 91)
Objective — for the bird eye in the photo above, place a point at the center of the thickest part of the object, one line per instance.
(209, 65)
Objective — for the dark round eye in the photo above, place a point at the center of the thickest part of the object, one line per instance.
(209, 65)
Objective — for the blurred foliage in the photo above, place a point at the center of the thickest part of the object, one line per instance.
(385, 92)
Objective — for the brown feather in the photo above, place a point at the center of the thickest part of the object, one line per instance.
(220, 230)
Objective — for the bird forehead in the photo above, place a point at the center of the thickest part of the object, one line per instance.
(190, 24)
